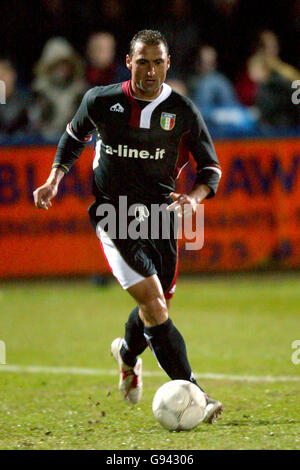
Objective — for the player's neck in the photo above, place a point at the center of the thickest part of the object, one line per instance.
(141, 95)
(143, 99)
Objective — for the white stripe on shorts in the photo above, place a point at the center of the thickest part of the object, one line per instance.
(126, 276)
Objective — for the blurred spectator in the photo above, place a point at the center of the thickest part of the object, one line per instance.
(13, 114)
(269, 48)
(102, 68)
(178, 85)
(58, 87)
(273, 94)
(215, 96)
(210, 87)
(181, 31)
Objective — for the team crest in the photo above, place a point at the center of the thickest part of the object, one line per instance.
(167, 121)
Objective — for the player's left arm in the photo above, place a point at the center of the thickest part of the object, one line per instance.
(186, 204)
(208, 171)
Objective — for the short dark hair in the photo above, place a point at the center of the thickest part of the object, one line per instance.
(148, 37)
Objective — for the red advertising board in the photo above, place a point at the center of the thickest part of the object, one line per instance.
(253, 221)
(34, 242)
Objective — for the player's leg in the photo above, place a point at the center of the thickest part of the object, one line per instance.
(126, 351)
(134, 343)
(163, 337)
(154, 311)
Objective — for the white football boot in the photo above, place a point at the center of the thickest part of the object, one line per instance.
(130, 384)
(213, 409)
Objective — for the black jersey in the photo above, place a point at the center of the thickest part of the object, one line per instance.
(140, 150)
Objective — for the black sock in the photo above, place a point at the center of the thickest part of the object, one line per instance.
(169, 349)
(134, 341)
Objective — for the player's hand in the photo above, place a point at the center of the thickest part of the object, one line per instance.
(183, 205)
(42, 196)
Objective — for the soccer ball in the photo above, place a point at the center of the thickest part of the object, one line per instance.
(179, 405)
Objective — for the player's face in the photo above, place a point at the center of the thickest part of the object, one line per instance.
(148, 65)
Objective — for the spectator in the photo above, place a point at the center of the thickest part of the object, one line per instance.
(270, 48)
(215, 96)
(267, 47)
(273, 96)
(210, 87)
(58, 87)
(14, 113)
(102, 68)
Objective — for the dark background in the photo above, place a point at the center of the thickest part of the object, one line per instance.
(230, 26)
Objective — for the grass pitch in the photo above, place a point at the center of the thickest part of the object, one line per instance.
(232, 326)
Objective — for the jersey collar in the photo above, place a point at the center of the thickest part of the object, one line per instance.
(142, 118)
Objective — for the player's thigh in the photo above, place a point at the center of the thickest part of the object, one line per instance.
(151, 300)
(147, 290)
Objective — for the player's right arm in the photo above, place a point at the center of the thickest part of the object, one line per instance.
(72, 142)
(42, 196)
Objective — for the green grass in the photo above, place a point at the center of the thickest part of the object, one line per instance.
(232, 325)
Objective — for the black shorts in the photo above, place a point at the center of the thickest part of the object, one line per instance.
(137, 246)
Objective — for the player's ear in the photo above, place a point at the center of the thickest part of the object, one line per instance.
(168, 63)
(128, 62)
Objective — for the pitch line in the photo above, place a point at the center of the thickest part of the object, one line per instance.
(112, 372)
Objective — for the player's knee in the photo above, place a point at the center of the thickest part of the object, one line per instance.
(154, 311)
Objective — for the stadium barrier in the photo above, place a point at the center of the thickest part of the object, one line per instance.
(252, 223)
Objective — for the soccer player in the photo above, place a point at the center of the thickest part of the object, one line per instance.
(144, 134)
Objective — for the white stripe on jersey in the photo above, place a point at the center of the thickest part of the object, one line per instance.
(213, 168)
(97, 154)
(180, 170)
(71, 133)
(146, 113)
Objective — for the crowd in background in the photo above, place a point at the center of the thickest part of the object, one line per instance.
(239, 90)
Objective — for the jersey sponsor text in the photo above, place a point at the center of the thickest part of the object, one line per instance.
(125, 151)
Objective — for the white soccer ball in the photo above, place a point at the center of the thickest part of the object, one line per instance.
(179, 405)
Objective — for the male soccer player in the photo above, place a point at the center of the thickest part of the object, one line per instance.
(144, 134)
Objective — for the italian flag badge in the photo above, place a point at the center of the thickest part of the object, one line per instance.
(167, 121)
